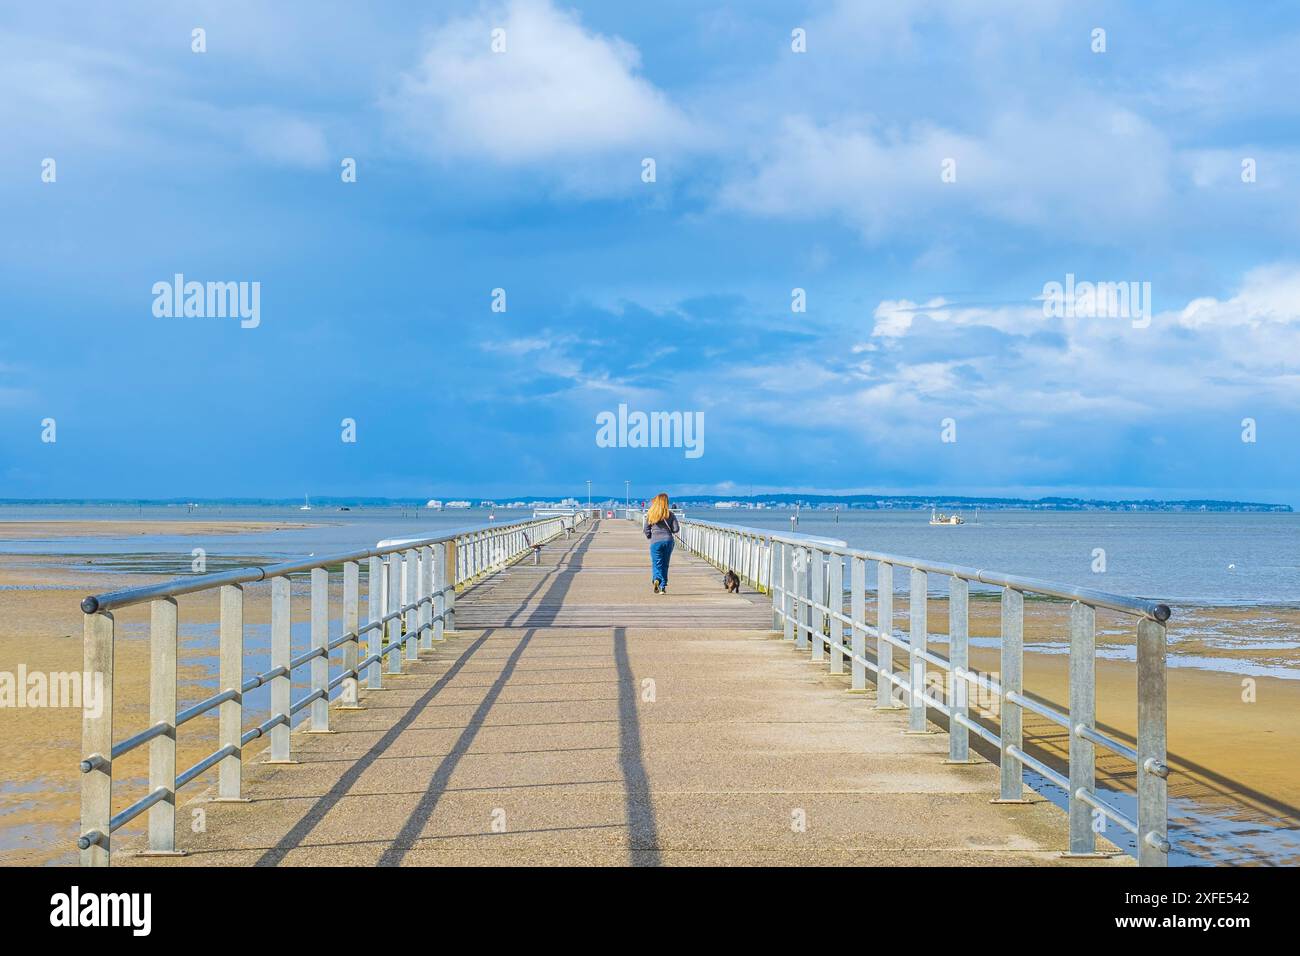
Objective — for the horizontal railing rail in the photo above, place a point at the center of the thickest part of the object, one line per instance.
(411, 594)
(805, 576)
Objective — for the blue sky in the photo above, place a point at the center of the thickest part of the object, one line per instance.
(775, 170)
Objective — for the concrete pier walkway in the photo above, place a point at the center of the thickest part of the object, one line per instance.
(576, 718)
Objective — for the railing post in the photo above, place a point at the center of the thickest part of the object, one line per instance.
(958, 663)
(858, 612)
(817, 589)
(281, 656)
(162, 710)
(803, 590)
(439, 557)
(780, 599)
(350, 698)
(230, 718)
(1083, 715)
(450, 566)
(835, 601)
(375, 613)
(410, 588)
(918, 645)
(426, 598)
(97, 739)
(1152, 688)
(320, 639)
(790, 599)
(885, 628)
(1013, 635)
(392, 591)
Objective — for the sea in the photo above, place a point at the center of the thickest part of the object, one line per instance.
(1213, 559)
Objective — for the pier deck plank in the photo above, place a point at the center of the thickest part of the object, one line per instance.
(576, 718)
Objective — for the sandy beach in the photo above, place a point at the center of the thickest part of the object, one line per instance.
(1232, 738)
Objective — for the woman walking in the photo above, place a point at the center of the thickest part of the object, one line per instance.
(660, 526)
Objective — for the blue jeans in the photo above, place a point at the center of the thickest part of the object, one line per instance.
(660, 552)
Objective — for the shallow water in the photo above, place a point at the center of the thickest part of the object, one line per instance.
(1199, 834)
(1210, 559)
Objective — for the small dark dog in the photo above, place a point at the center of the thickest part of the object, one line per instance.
(731, 582)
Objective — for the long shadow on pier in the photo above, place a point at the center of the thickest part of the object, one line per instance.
(318, 811)
(441, 776)
(565, 568)
(419, 817)
(642, 828)
(643, 832)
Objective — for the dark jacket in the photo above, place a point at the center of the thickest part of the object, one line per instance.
(663, 531)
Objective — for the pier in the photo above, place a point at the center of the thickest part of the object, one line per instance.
(518, 695)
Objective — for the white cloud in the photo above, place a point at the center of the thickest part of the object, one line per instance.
(1090, 163)
(558, 90)
(1210, 361)
(1269, 295)
(1204, 355)
(854, 169)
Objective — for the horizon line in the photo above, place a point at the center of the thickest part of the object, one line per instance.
(785, 497)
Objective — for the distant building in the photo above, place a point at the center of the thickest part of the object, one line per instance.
(457, 504)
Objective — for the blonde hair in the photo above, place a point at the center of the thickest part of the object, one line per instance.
(659, 509)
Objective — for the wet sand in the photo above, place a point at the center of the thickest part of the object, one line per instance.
(1232, 738)
(30, 530)
(1227, 752)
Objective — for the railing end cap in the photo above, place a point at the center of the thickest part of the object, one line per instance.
(90, 605)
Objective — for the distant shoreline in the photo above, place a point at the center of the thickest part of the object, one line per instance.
(950, 502)
(783, 500)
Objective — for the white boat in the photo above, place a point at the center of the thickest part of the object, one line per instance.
(433, 503)
(306, 505)
(941, 518)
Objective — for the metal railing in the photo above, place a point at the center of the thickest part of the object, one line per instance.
(804, 575)
(411, 589)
